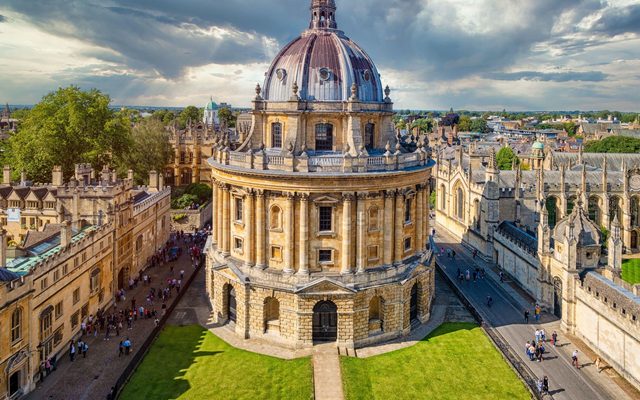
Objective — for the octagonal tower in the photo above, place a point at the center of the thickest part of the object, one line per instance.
(320, 211)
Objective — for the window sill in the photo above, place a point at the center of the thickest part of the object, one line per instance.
(238, 223)
(276, 230)
(326, 263)
(330, 234)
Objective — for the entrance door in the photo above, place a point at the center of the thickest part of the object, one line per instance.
(413, 305)
(14, 383)
(557, 297)
(232, 304)
(325, 322)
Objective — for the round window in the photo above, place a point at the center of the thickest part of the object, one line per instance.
(367, 75)
(324, 74)
(281, 74)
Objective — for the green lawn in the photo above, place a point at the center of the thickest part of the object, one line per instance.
(190, 362)
(631, 270)
(457, 361)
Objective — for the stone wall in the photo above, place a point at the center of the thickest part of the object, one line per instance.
(518, 264)
(607, 319)
(194, 219)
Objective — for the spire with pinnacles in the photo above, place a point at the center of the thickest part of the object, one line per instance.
(323, 14)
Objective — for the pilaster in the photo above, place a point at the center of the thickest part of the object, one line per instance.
(347, 202)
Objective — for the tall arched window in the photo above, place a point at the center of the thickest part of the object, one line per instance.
(443, 197)
(477, 213)
(16, 325)
(635, 212)
(552, 210)
(615, 208)
(324, 137)
(460, 203)
(594, 209)
(275, 218)
(374, 220)
(571, 202)
(369, 135)
(276, 135)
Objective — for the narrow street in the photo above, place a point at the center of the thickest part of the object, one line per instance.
(506, 315)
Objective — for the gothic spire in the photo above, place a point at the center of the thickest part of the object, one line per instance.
(323, 14)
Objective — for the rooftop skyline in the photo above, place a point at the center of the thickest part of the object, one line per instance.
(466, 54)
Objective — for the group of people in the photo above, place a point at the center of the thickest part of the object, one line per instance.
(475, 274)
(535, 348)
(537, 312)
(79, 347)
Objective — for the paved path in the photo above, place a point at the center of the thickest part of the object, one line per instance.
(327, 376)
(92, 378)
(506, 315)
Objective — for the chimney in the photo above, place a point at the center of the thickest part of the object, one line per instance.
(23, 178)
(56, 176)
(160, 182)
(65, 234)
(3, 248)
(105, 175)
(153, 181)
(130, 175)
(6, 175)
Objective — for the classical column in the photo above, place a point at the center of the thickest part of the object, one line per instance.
(399, 250)
(260, 230)
(426, 213)
(248, 229)
(361, 227)
(419, 219)
(347, 201)
(219, 212)
(303, 245)
(289, 234)
(226, 220)
(214, 210)
(388, 227)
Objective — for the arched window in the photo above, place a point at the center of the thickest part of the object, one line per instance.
(594, 209)
(324, 137)
(571, 202)
(477, 213)
(16, 325)
(635, 212)
(276, 135)
(615, 208)
(460, 203)
(275, 218)
(552, 210)
(443, 197)
(374, 220)
(369, 135)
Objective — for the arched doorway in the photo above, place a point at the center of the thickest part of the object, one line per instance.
(557, 297)
(325, 322)
(413, 304)
(231, 303)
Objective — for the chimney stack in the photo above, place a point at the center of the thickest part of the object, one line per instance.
(130, 175)
(23, 178)
(105, 175)
(6, 175)
(3, 248)
(153, 181)
(160, 182)
(65, 234)
(56, 176)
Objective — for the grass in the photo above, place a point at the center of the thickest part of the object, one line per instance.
(457, 361)
(631, 270)
(190, 362)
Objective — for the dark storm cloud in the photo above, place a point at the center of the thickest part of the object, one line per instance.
(617, 21)
(2, 18)
(588, 76)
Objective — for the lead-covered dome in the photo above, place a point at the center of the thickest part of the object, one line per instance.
(323, 63)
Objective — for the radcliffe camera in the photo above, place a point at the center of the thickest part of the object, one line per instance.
(320, 199)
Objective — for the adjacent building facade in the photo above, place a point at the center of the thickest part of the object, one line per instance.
(319, 211)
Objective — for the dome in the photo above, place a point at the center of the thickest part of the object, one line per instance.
(538, 146)
(323, 63)
(586, 232)
(211, 105)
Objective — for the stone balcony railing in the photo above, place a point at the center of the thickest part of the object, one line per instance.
(329, 163)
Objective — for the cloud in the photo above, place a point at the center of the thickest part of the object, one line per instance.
(618, 21)
(568, 76)
(3, 18)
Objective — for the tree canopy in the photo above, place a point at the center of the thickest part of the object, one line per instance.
(150, 149)
(505, 159)
(191, 113)
(66, 127)
(424, 125)
(614, 144)
(227, 116)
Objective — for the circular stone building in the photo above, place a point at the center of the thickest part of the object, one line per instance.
(320, 212)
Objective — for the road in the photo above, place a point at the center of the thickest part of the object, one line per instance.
(506, 316)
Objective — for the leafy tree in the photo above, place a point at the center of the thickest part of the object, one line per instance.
(614, 144)
(20, 114)
(465, 124)
(191, 113)
(68, 126)
(570, 127)
(150, 149)
(450, 119)
(424, 125)
(165, 116)
(505, 159)
(399, 122)
(479, 125)
(195, 193)
(432, 200)
(227, 116)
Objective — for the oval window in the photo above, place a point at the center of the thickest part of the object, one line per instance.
(281, 74)
(367, 75)
(324, 74)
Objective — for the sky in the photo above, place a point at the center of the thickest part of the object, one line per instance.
(434, 54)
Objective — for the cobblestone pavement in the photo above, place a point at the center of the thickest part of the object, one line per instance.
(506, 317)
(92, 378)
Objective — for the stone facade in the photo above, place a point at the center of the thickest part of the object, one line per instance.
(320, 227)
(191, 219)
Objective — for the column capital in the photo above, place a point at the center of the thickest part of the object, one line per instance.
(348, 197)
(259, 192)
(390, 194)
(303, 196)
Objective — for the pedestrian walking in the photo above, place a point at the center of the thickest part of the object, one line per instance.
(543, 335)
(554, 338)
(526, 316)
(545, 385)
(127, 346)
(537, 312)
(85, 348)
(574, 359)
(540, 385)
(72, 351)
(120, 349)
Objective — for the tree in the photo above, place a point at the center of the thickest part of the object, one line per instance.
(227, 116)
(66, 127)
(450, 120)
(424, 125)
(465, 124)
(505, 159)
(191, 113)
(479, 125)
(614, 144)
(165, 116)
(150, 150)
